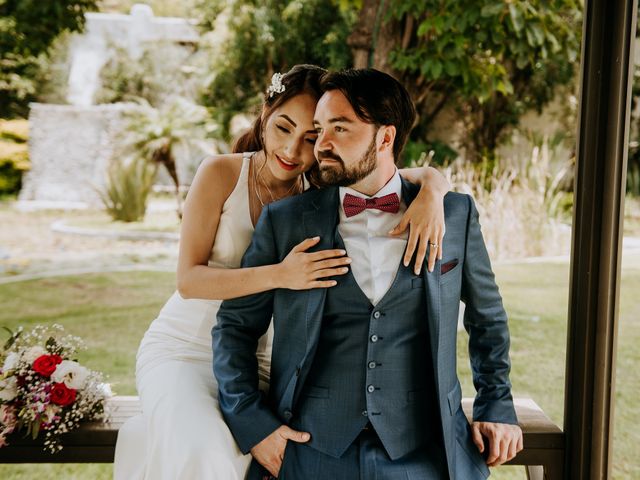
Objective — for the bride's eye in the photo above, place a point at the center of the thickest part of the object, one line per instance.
(281, 128)
(312, 141)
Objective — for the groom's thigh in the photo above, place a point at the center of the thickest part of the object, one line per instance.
(301, 462)
(425, 463)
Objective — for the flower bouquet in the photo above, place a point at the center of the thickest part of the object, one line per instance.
(42, 387)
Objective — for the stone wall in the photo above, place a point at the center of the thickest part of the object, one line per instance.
(91, 50)
(70, 148)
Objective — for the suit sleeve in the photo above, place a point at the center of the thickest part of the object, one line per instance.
(486, 322)
(241, 323)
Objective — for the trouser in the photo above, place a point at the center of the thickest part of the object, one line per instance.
(365, 459)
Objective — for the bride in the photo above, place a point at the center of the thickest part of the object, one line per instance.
(181, 433)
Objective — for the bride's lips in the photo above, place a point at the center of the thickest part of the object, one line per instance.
(286, 165)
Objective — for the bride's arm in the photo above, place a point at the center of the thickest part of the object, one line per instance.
(425, 216)
(212, 185)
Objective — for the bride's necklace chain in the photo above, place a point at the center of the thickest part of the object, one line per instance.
(257, 180)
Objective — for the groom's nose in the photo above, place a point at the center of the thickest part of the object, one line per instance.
(323, 144)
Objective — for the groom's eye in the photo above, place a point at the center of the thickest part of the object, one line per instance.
(340, 129)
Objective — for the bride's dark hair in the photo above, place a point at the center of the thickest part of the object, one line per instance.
(301, 79)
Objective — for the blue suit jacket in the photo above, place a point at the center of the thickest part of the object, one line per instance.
(297, 317)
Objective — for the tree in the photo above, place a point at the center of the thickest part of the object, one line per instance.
(491, 59)
(267, 36)
(27, 30)
(153, 134)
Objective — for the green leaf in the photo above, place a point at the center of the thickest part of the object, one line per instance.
(505, 87)
(555, 45)
(516, 18)
(451, 69)
(424, 28)
(12, 338)
(436, 69)
(35, 430)
(522, 61)
(538, 33)
(531, 39)
(492, 9)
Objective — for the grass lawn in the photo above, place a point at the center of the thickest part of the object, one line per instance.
(111, 312)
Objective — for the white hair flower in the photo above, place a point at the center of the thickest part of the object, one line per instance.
(276, 85)
(72, 374)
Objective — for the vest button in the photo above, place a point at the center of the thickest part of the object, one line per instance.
(365, 413)
(374, 338)
(372, 364)
(288, 414)
(371, 389)
(376, 315)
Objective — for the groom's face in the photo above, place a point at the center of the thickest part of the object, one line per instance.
(346, 147)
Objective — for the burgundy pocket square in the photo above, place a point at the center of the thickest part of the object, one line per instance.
(448, 266)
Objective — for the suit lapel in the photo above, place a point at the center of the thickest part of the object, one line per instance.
(432, 283)
(319, 219)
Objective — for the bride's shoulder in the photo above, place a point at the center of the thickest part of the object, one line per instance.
(222, 170)
(228, 163)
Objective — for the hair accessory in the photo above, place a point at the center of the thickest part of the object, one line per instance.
(276, 85)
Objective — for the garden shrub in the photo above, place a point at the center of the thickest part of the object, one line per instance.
(14, 155)
(129, 183)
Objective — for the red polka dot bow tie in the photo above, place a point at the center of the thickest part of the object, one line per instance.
(354, 205)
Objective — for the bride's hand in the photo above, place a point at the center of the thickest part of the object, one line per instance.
(301, 270)
(425, 220)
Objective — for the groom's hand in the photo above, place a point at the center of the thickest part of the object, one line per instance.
(270, 451)
(505, 441)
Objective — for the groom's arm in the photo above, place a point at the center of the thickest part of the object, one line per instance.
(241, 323)
(486, 322)
(485, 319)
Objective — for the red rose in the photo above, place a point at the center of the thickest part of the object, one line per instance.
(45, 365)
(62, 395)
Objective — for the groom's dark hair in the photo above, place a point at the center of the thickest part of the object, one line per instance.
(377, 98)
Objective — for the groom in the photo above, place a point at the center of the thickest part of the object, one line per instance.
(363, 374)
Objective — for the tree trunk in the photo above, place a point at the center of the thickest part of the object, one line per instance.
(360, 39)
(373, 39)
(164, 156)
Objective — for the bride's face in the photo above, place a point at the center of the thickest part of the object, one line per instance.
(289, 137)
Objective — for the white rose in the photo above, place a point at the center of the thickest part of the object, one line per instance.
(8, 389)
(11, 362)
(34, 352)
(72, 374)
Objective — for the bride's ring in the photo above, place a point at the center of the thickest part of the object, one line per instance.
(433, 245)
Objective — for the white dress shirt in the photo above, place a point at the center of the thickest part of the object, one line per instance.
(374, 253)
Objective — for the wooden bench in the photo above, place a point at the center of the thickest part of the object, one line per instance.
(95, 442)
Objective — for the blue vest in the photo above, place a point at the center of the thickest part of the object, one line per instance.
(372, 364)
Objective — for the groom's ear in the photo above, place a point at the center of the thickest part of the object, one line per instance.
(387, 136)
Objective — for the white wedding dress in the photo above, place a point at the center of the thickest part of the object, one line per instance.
(181, 434)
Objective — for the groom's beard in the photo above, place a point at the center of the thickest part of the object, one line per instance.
(339, 175)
